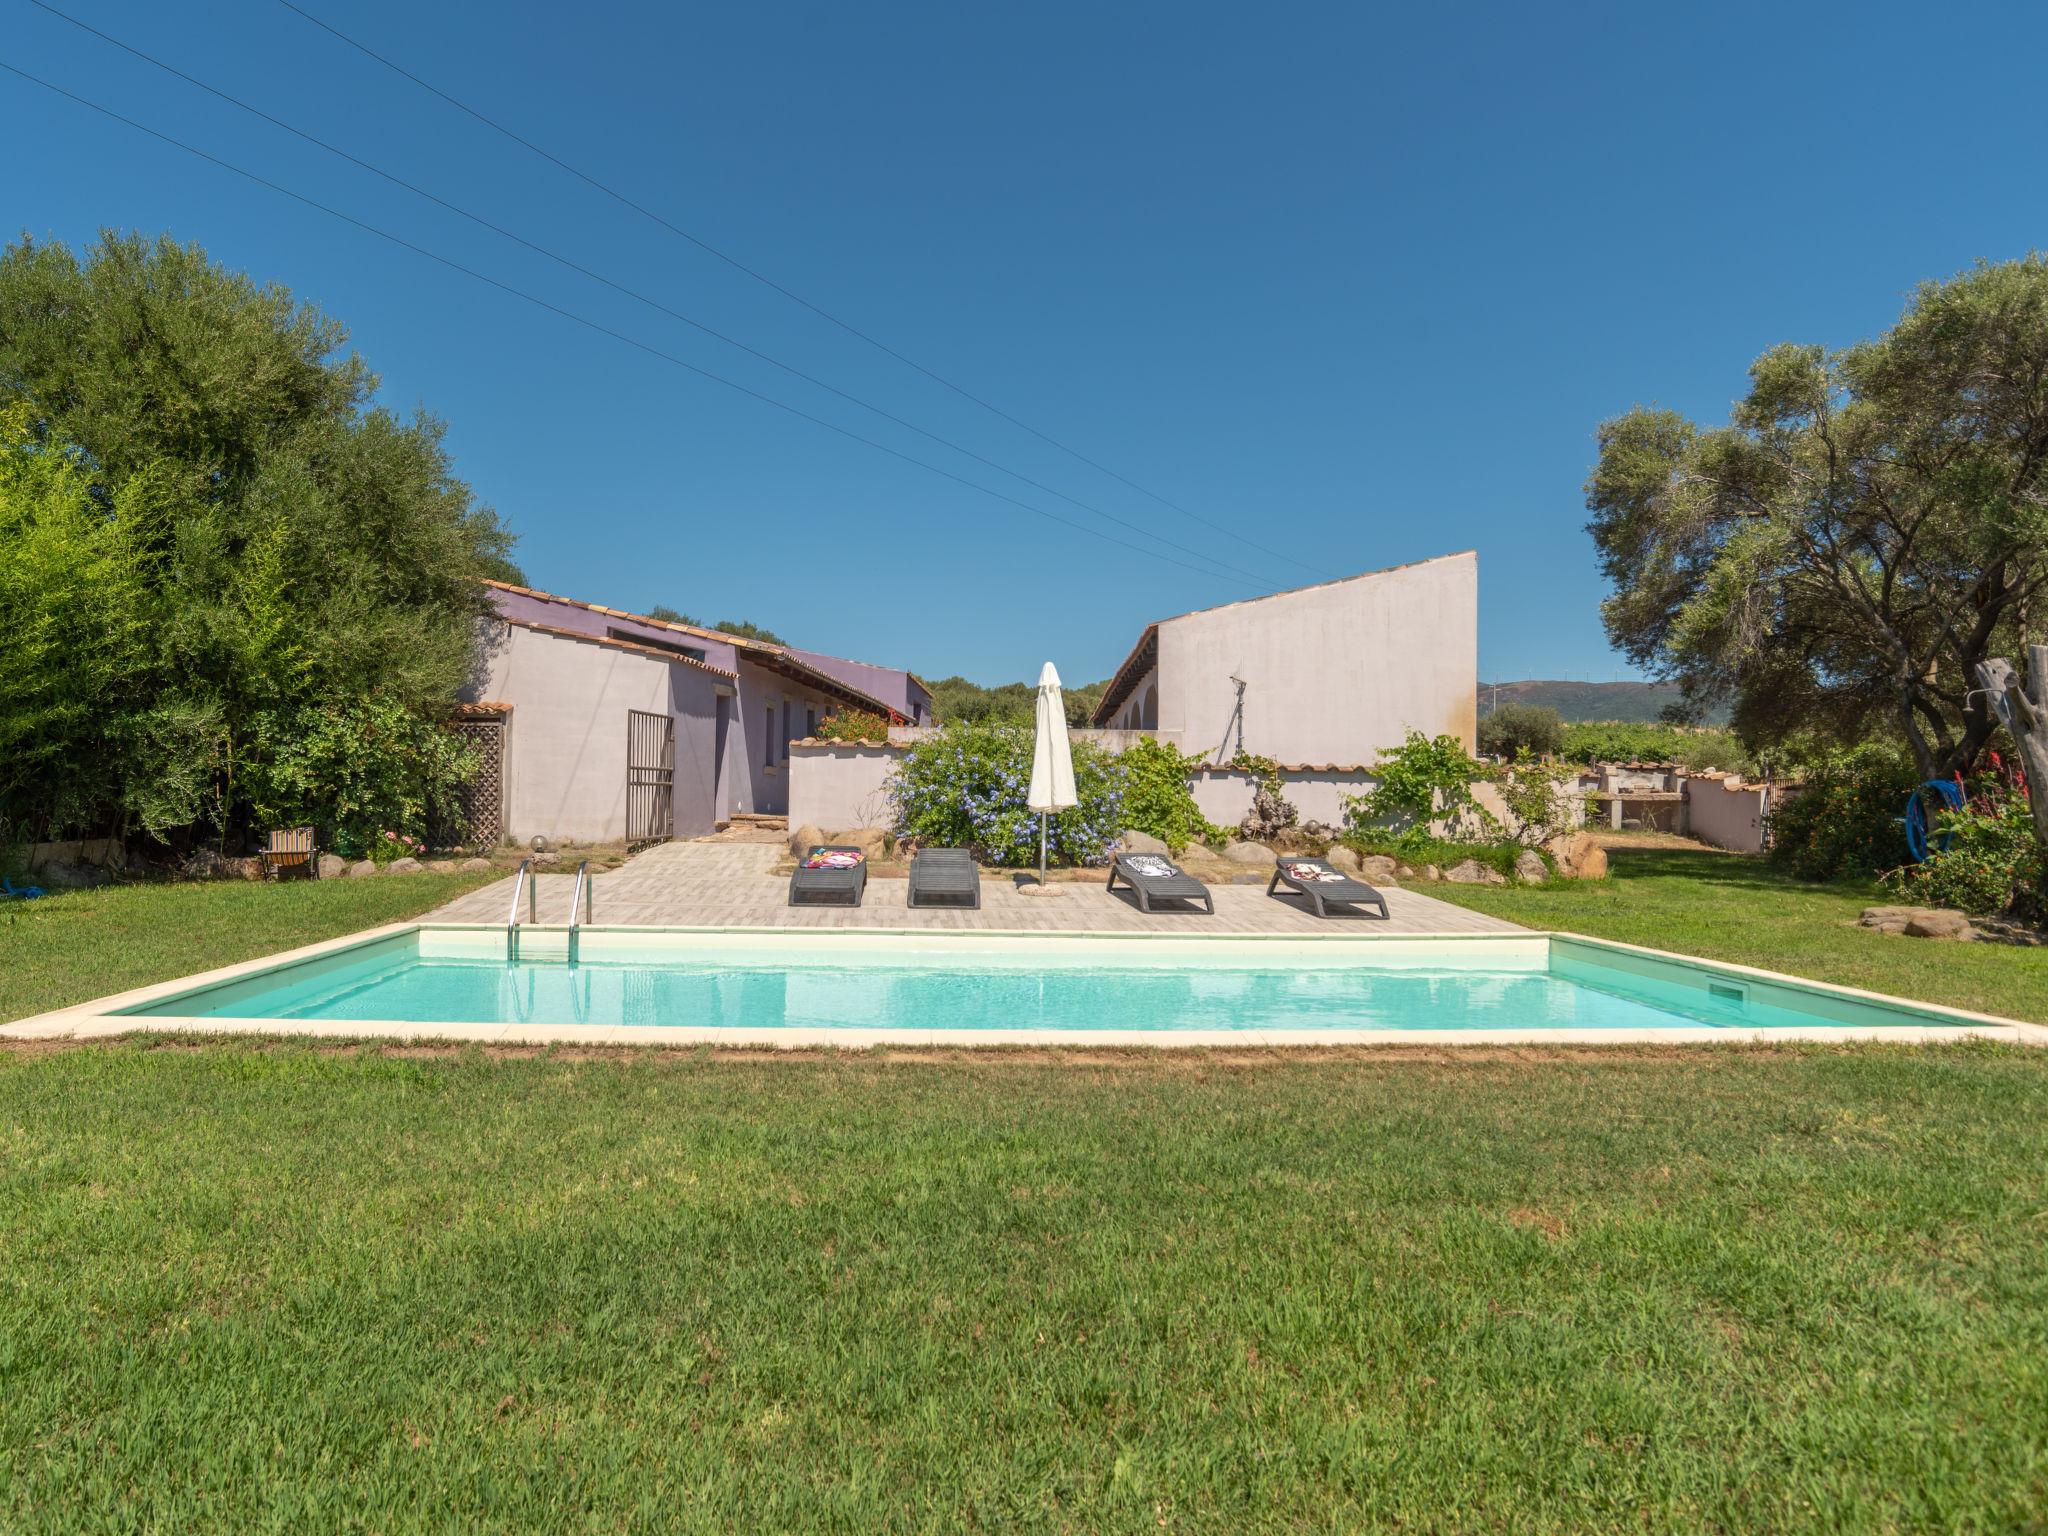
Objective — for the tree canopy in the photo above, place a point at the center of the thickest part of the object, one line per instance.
(212, 541)
(957, 699)
(1870, 524)
(739, 627)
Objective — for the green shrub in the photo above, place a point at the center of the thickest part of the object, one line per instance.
(965, 786)
(1624, 742)
(1423, 780)
(853, 725)
(1991, 863)
(1845, 823)
(1157, 798)
(1417, 851)
(1515, 729)
(355, 772)
(1536, 800)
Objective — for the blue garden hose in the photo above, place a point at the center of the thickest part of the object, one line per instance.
(1951, 794)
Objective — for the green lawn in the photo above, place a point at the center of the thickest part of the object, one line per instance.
(1725, 906)
(73, 946)
(252, 1288)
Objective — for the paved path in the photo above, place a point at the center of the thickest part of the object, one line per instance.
(706, 885)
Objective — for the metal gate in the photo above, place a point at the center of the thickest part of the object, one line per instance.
(650, 776)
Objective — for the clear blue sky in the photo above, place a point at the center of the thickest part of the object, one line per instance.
(1357, 283)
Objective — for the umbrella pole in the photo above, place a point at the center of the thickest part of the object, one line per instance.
(1041, 847)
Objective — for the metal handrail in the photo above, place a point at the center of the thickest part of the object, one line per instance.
(576, 905)
(523, 881)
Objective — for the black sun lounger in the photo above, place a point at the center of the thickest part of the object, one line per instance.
(944, 877)
(1152, 877)
(1322, 882)
(840, 887)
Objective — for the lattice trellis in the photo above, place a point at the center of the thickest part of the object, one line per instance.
(483, 799)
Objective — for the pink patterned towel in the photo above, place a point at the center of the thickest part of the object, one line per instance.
(821, 859)
(1149, 865)
(1316, 872)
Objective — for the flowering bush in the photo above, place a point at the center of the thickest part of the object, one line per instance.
(853, 725)
(1845, 824)
(387, 847)
(966, 785)
(1984, 860)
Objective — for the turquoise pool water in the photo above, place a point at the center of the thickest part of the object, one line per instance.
(970, 985)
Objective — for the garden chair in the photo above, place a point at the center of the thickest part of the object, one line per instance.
(829, 875)
(290, 850)
(1153, 877)
(944, 877)
(1322, 882)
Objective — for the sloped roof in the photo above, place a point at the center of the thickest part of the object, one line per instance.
(614, 644)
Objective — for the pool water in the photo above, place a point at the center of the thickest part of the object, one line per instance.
(757, 986)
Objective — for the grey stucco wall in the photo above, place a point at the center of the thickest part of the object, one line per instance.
(833, 787)
(1334, 674)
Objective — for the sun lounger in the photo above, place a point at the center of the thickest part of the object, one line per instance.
(290, 852)
(829, 875)
(1153, 878)
(1322, 883)
(944, 877)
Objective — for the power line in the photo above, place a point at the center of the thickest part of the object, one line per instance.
(593, 325)
(1222, 566)
(795, 298)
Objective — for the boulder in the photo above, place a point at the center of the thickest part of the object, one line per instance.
(1592, 865)
(1347, 859)
(1378, 869)
(330, 866)
(1571, 850)
(1144, 842)
(804, 839)
(68, 875)
(1431, 872)
(546, 859)
(872, 841)
(1240, 852)
(407, 866)
(1472, 872)
(440, 866)
(1530, 868)
(360, 868)
(1918, 922)
(475, 866)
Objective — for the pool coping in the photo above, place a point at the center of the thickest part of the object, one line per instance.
(98, 1019)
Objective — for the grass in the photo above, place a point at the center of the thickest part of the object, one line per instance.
(250, 1287)
(73, 946)
(1724, 906)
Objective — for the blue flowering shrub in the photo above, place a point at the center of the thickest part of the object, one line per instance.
(965, 787)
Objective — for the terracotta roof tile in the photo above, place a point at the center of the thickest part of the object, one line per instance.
(621, 645)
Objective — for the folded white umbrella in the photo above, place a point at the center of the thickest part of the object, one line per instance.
(1052, 759)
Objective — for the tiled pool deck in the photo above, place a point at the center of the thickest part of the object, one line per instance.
(731, 885)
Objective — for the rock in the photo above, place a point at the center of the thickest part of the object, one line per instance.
(1346, 859)
(440, 866)
(475, 866)
(546, 859)
(1431, 872)
(1530, 868)
(1918, 922)
(330, 866)
(1593, 866)
(804, 839)
(1377, 868)
(1572, 850)
(1240, 852)
(1472, 872)
(406, 866)
(1144, 842)
(360, 868)
(872, 841)
(64, 874)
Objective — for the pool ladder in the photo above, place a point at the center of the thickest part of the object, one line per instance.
(527, 883)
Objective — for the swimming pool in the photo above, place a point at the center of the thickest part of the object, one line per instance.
(876, 987)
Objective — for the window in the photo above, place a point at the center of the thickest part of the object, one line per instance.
(810, 722)
(786, 707)
(768, 740)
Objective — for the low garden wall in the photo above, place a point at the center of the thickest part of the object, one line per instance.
(1225, 794)
(834, 785)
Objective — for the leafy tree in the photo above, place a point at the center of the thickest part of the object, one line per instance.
(740, 627)
(298, 547)
(1870, 524)
(957, 699)
(1514, 729)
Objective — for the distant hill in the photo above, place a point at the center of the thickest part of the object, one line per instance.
(1585, 701)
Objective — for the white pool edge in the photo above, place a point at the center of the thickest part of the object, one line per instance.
(98, 1019)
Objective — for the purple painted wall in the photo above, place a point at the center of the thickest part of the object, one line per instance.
(534, 610)
(892, 685)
